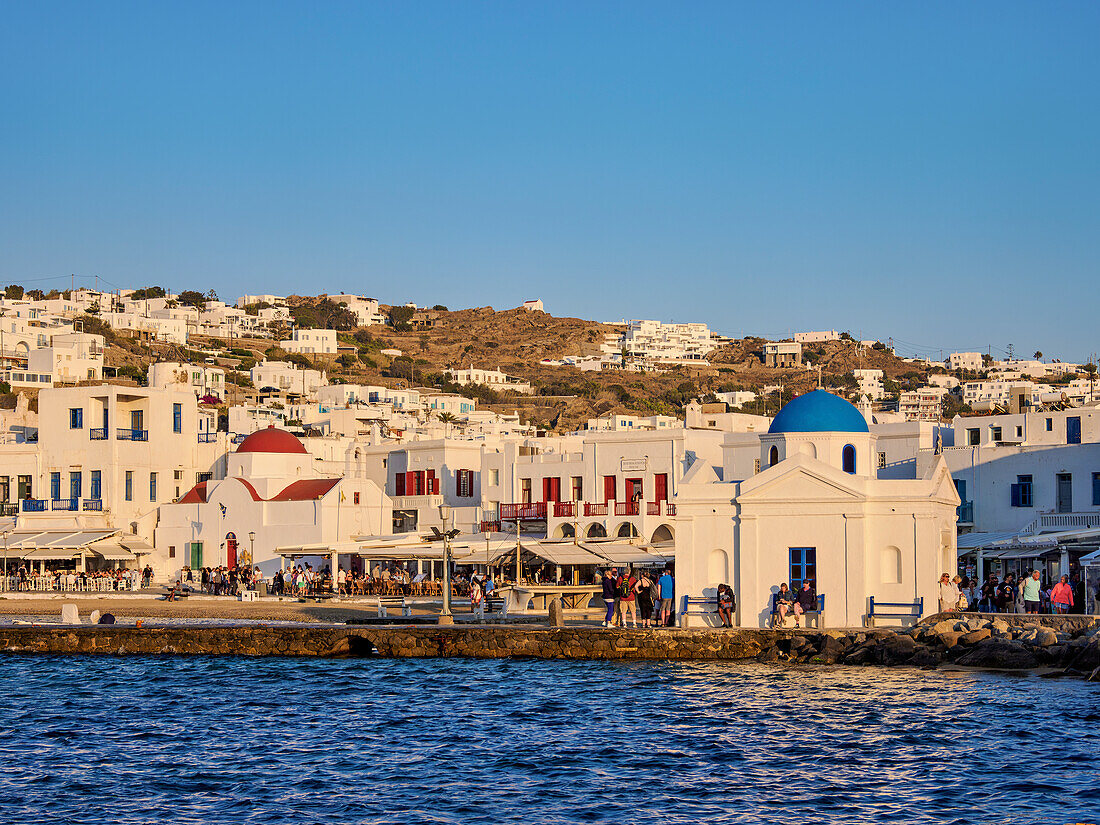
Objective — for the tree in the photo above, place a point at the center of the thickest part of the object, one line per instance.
(192, 298)
(400, 316)
(147, 292)
(347, 360)
(13, 291)
(1038, 355)
(1090, 373)
(325, 314)
(440, 308)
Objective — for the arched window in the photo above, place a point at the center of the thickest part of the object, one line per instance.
(773, 457)
(890, 565)
(848, 459)
(719, 566)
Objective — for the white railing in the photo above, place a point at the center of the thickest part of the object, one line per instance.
(1061, 521)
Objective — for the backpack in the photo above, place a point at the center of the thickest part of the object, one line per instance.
(624, 588)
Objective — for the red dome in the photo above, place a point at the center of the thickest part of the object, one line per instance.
(271, 440)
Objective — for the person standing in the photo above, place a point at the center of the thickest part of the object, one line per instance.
(627, 597)
(948, 594)
(645, 598)
(666, 585)
(610, 595)
(1032, 591)
(1061, 596)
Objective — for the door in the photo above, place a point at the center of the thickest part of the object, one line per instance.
(230, 550)
(76, 485)
(660, 487)
(1065, 493)
(1073, 430)
(196, 555)
(633, 489)
(137, 420)
(551, 489)
(608, 489)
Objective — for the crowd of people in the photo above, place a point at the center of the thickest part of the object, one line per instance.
(78, 581)
(221, 581)
(1032, 592)
(638, 597)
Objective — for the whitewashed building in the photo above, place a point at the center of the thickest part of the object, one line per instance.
(815, 509)
(311, 342)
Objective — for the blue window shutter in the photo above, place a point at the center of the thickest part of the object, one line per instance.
(1016, 495)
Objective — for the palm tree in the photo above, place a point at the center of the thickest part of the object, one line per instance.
(1038, 355)
(1090, 371)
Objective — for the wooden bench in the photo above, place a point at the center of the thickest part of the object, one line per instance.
(387, 603)
(815, 612)
(903, 610)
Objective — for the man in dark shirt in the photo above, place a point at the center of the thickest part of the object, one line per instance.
(805, 600)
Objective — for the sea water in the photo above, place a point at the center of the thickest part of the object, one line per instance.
(208, 740)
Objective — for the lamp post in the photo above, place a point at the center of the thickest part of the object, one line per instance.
(445, 616)
(252, 558)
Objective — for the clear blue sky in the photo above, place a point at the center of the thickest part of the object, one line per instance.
(925, 171)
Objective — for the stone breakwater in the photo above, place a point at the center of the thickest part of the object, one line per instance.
(1061, 645)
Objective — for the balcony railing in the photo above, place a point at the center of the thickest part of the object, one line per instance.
(33, 505)
(93, 504)
(523, 512)
(626, 508)
(9, 508)
(670, 509)
(66, 504)
(416, 502)
(132, 435)
(654, 508)
(490, 527)
(595, 509)
(98, 434)
(966, 512)
(565, 509)
(207, 438)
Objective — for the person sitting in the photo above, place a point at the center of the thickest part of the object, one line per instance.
(781, 605)
(724, 596)
(805, 601)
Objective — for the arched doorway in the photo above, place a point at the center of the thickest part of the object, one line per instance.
(626, 530)
(564, 531)
(596, 531)
(661, 534)
(230, 550)
(773, 456)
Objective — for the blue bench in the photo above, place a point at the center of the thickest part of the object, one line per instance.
(818, 609)
(902, 610)
(701, 606)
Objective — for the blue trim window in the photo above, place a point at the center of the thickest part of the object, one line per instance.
(1096, 489)
(55, 486)
(129, 485)
(96, 485)
(803, 566)
(76, 485)
(76, 418)
(177, 418)
(1022, 493)
(848, 459)
(152, 486)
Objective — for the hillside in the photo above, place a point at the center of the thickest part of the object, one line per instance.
(516, 340)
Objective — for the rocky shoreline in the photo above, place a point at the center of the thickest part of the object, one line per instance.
(1060, 645)
(1054, 645)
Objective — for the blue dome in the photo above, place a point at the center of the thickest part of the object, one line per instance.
(819, 412)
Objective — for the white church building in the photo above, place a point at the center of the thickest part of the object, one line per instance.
(804, 501)
(271, 496)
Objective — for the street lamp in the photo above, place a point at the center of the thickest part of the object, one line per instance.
(445, 616)
(252, 557)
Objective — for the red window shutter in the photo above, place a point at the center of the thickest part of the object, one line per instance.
(546, 490)
(608, 488)
(555, 489)
(432, 481)
(399, 484)
(661, 483)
